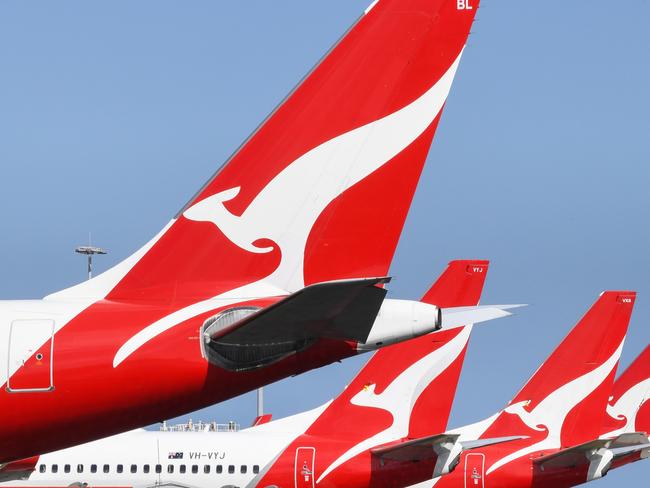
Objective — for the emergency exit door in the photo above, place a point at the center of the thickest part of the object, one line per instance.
(474, 470)
(31, 356)
(304, 469)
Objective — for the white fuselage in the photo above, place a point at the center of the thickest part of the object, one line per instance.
(148, 458)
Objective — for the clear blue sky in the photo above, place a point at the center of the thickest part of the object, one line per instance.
(112, 114)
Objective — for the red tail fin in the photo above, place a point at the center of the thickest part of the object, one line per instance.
(563, 404)
(330, 172)
(629, 405)
(460, 285)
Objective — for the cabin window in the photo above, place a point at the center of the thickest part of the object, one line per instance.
(134, 468)
(158, 468)
(182, 468)
(66, 468)
(195, 468)
(55, 468)
(256, 469)
(145, 468)
(231, 469)
(106, 468)
(93, 468)
(243, 469)
(120, 468)
(41, 468)
(206, 469)
(219, 469)
(80, 468)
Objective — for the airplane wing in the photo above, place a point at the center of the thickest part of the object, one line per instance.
(339, 310)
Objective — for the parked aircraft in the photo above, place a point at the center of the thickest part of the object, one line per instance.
(274, 268)
(400, 400)
(561, 411)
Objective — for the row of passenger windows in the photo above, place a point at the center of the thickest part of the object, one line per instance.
(158, 468)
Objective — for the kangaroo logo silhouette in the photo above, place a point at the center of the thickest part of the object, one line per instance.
(550, 413)
(287, 208)
(401, 395)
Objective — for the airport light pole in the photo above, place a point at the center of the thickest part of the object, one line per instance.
(260, 401)
(90, 251)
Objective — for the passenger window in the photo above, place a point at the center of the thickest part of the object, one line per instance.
(120, 468)
(195, 468)
(66, 468)
(231, 469)
(106, 468)
(55, 468)
(41, 468)
(243, 469)
(206, 469)
(80, 468)
(134, 468)
(93, 468)
(182, 468)
(256, 469)
(170, 468)
(158, 468)
(219, 469)
(145, 468)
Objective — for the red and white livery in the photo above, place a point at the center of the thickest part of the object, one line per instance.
(560, 411)
(392, 414)
(275, 267)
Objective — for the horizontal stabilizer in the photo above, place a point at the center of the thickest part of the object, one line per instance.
(461, 316)
(428, 447)
(624, 451)
(477, 444)
(413, 449)
(343, 309)
(340, 310)
(598, 454)
(18, 470)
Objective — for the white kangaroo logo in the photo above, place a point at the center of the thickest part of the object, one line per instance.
(551, 412)
(287, 208)
(400, 396)
(627, 407)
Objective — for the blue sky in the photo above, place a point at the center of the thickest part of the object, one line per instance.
(112, 114)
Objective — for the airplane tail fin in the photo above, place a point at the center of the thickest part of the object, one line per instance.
(332, 170)
(460, 285)
(564, 402)
(629, 405)
(411, 383)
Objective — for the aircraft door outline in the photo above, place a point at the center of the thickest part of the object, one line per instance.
(304, 476)
(33, 365)
(474, 470)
